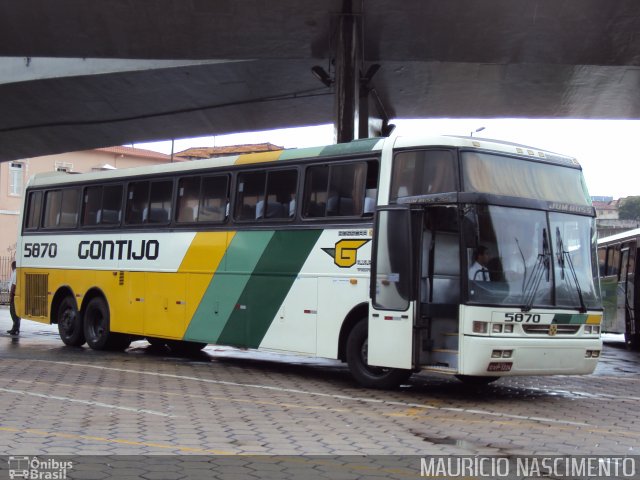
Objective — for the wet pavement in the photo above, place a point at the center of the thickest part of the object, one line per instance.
(59, 400)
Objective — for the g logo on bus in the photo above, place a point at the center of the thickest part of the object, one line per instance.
(553, 330)
(345, 252)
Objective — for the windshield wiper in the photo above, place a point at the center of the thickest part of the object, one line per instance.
(543, 265)
(563, 256)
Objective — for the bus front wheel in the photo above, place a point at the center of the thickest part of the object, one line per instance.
(365, 374)
(69, 323)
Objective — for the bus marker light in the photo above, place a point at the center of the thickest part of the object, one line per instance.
(499, 367)
(353, 281)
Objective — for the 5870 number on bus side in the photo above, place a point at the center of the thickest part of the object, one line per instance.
(40, 250)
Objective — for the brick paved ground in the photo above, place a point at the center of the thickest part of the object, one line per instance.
(58, 400)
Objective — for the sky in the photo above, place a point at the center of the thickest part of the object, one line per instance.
(601, 146)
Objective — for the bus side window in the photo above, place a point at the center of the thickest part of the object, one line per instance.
(613, 260)
(422, 172)
(111, 211)
(91, 205)
(160, 200)
(214, 199)
(337, 190)
(61, 208)
(34, 210)
(602, 261)
(315, 191)
(69, 208)
(137, 203)
(188, 195)
(281, 193)
(250, 195)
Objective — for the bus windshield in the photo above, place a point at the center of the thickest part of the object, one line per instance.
(501, 175)
(530, 258)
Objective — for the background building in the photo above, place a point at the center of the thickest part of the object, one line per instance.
(15, 175)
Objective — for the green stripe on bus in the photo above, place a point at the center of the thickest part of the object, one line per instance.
(267, 288)
(569, 318)
(226, 286)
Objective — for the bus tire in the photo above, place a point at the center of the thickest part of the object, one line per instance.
(365, 375)
(70, 326)
(97, 324)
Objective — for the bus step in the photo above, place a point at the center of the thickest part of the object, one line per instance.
(439, 369)
(445, 357)
(450, 341)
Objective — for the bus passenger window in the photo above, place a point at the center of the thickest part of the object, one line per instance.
(281, 193)
(422, 172)
(61, 208)
(602, 261)
(613, 260)
(91, 204)
(315, 191)
(160, 202)
(69, 208)
(34, 210)
(52, 208)
(111, 212)
(188, 195)
(336, 190)
(137, 203)
(250, 196)
(214, 199)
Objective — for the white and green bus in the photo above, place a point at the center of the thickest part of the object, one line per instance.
(617, 257)
(459, 255)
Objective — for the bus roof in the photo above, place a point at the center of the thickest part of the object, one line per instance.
(620, 236)
(356, 147)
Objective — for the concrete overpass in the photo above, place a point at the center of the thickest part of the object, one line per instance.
(77, 74)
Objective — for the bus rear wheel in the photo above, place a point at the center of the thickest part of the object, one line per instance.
(362, 372)
(97, 328)
(69, 323)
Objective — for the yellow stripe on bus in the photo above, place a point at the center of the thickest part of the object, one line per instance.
(594, 319)
(206, 252)
(258, 157)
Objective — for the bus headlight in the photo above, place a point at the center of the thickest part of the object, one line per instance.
(496, 328)
(480, 327)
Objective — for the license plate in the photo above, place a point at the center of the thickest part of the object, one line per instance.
(499, 367)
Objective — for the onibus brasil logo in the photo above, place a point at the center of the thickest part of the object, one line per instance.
(345, 252)
(35, 468)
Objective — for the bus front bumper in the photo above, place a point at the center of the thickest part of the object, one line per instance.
(500, 356)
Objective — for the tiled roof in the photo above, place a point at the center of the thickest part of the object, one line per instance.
(209, 152)
(135, 152)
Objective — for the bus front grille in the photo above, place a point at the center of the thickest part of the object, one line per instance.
(551, 330)
(36, 294)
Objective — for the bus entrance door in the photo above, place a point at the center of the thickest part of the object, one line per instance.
(391, 309)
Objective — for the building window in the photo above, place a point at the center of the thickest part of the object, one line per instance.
(63, 167)
(16, 176)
